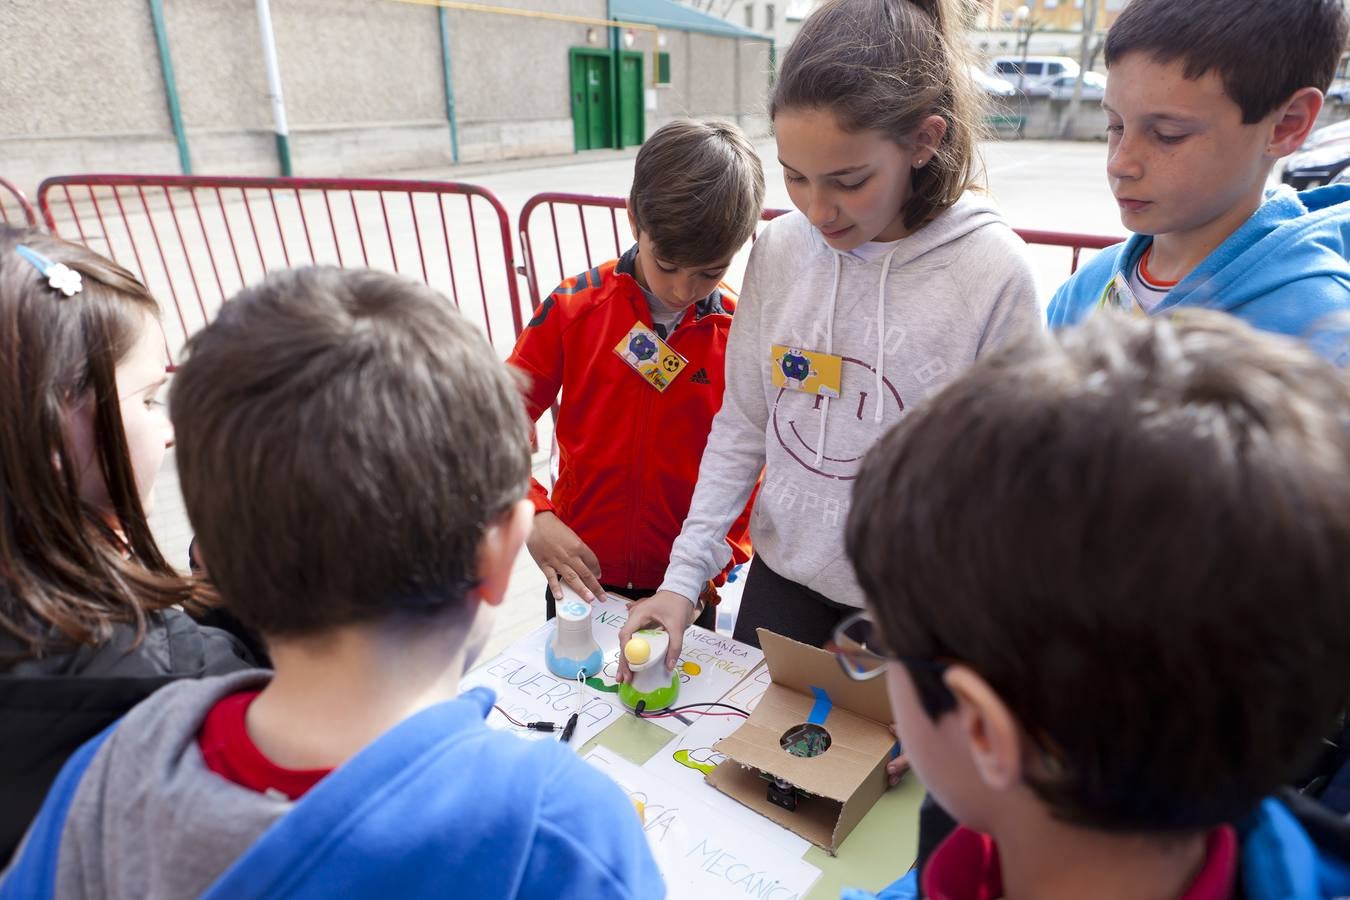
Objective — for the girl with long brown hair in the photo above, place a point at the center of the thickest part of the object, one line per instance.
(91, 617)
(892, 277)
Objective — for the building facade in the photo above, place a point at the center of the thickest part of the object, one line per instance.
(367, 87)
(779, 20)
(1050, 15)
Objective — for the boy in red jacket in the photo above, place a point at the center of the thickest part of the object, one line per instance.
(635, 346)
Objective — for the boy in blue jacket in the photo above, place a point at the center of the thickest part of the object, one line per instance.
(354, 460)
(1149, 630)
(1202, 98)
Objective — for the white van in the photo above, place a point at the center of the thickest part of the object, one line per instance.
(1034, 74)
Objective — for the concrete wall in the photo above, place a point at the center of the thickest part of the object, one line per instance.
(1045, 119)
(512, 78)
(1051, 14)
(54, 84)
(714, 76)
(753, 97)
(711, 76)
(362, 81)
(60, 105)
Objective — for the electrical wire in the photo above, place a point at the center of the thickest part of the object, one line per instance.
(510, 718)
(673, 712)
(671, 715)
(675, 709)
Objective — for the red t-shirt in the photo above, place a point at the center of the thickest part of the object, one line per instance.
(228, 751)
(966, 867)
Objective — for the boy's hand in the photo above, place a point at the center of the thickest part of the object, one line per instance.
(671, 611)
(562, 556)
(896, 768)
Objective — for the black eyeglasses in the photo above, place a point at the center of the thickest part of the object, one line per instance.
(861, 653)
(857, 647)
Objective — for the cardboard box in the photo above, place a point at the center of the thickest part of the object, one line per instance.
(836, 788)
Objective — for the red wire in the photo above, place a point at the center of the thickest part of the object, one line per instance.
(510, 718)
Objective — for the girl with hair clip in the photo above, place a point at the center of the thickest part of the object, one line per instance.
(90, 612)
(891, 278)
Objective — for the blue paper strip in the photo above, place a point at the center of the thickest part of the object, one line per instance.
(821, 709)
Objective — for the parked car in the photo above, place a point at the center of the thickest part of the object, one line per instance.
(1326, 135)
(1313, 166)
(1094, 86)
(1032, 72)
(1324, 156)
(992, 85)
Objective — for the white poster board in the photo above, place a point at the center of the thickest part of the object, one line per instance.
(690, 756)
(529, 692)
(702, 854)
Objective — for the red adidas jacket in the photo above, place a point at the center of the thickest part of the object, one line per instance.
(628, 454)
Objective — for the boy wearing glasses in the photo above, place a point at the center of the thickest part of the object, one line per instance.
(1109, 572)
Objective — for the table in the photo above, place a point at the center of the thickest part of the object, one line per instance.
(877, 852)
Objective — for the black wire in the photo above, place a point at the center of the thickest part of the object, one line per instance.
(675, 709)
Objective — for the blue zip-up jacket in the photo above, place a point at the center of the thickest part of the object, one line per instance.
(1285, 270)
(441, 805)
(1292, 849)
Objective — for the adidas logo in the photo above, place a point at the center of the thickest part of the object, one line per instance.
(700, 377)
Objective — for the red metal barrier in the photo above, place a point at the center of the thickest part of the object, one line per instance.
(197, 240)
(14, 206)
(577, 248)
(1077, 242)
(569, 262)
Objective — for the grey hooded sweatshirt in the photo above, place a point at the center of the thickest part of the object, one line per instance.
(905, 325)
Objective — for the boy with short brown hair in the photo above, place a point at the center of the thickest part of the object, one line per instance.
(635, 347)
(1202, 98)
(1146, 634)
(354, 460)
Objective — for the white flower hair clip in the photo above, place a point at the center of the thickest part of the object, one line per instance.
(60, 277)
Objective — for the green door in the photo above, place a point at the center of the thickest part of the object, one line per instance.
(631, 124)
(599, 118)
(592, 116)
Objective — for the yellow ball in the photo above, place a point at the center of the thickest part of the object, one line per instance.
(637, 651)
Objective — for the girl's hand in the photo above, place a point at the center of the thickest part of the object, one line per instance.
(671, 611)
(562, 556)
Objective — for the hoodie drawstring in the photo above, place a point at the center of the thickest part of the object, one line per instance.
(881, 337)
(829, 349)
(880, 407)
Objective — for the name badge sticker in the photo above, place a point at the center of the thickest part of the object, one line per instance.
(1118, 295)
(808, 371)
(650, 357)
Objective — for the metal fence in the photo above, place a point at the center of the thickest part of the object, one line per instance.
(14, 206)
(582, 230)
(195, 240)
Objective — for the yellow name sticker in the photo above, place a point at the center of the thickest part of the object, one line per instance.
(808, 371)
(650, 356)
